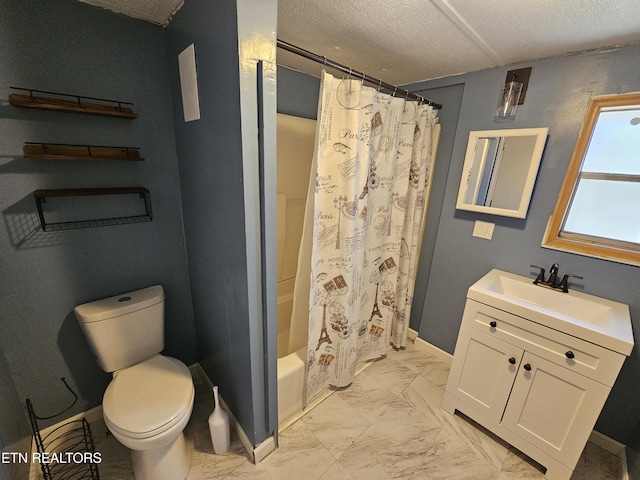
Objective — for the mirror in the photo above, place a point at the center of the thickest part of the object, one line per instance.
(500, 169)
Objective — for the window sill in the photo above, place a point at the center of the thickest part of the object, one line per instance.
(593, 250)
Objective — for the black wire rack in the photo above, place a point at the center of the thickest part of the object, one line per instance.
(67, 452)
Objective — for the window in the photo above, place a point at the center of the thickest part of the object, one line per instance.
(598, 210)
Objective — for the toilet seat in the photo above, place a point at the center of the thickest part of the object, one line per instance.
(148, 398)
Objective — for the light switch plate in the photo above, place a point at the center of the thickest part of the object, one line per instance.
(483, 230)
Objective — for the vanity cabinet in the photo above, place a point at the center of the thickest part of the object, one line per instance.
(538, 388)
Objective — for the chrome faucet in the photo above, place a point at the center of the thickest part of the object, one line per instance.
(552, 281)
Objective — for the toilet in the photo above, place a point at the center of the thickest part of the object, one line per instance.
(148, 403)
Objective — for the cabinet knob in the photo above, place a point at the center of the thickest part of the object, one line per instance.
(527, 367)
(570, 354)
(512, 361)
(493, 324)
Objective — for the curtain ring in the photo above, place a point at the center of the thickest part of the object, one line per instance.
(379, 85)
(394, 91)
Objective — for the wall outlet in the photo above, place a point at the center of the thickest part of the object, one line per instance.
(483, 229)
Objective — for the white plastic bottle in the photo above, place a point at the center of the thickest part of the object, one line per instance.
(219, 426)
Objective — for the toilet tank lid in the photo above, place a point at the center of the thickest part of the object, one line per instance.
(119, 304)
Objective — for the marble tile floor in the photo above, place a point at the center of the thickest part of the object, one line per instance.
(388, 424)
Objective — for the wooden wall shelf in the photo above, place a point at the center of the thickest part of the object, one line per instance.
(71, 103)
(41, 196)
(62, 151)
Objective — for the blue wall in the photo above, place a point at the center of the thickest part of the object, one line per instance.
(451, 97)
(557, 98)
(15, 434)
(215, 204)
(298, 93)
(452, 259)
(71, 47)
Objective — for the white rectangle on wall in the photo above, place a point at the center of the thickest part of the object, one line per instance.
(483, 230)
(189, 83)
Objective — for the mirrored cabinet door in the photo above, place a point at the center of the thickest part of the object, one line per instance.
(500, 169)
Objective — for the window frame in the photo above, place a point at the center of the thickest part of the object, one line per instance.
(598, 247)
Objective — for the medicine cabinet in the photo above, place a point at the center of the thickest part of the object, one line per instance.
(500, 170)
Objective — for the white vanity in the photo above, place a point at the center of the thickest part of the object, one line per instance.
(535, 366)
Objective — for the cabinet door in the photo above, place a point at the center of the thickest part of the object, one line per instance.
(554, 408)
(483, 371)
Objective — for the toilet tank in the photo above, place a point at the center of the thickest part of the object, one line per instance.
(124, 329)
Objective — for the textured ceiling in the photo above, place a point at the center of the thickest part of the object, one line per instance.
(406, 41)
(154, 11)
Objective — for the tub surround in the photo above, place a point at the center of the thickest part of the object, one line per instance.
(296, 143)
(296, 140)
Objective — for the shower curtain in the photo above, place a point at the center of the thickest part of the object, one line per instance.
(370, 167)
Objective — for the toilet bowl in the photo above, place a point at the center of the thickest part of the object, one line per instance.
(149, 401)
(146, 407)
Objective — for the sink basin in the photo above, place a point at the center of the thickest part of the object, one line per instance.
(585, 309)
(594, 319)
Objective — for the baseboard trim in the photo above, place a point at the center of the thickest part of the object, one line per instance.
(263, 449)
(613, 447)
(256, 452)
(412, 335)
(425, 346)
(607, 443)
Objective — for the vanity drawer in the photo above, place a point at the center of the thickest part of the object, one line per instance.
(588, 359)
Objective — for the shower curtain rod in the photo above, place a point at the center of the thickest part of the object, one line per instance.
(363, 76)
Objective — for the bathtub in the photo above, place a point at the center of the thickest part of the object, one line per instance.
(291, 374)
(291, 366)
